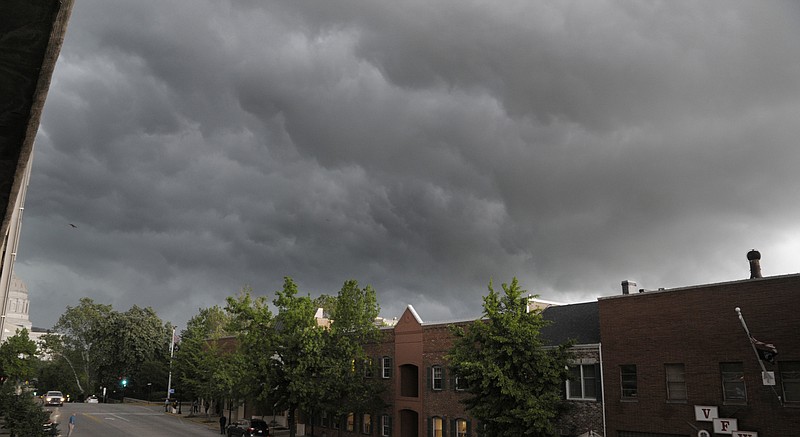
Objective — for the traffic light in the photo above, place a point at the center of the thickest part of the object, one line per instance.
(124, 382)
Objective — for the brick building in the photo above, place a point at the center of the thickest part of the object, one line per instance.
(584, 391)
(675, 359)
(423, 395)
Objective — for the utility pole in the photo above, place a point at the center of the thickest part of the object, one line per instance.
(169, 380)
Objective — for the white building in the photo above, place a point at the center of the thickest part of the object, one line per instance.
(16, 309)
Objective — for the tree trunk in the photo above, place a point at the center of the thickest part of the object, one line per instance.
(290, 421)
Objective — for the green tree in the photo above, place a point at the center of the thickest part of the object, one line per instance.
(18, 358)
(298, 353)
(100, 345)
(126, 342)
(199, 365)
(347, 387)
(21, 414)
(80, 332)
(254, 324)
(513, 379)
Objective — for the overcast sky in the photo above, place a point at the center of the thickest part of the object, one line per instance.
(422, 147)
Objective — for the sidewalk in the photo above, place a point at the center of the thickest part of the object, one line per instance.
(212, 423)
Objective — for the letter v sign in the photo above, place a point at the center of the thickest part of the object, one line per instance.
(705, 413)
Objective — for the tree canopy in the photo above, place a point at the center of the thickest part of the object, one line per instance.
(295, 362)
(100, 346)
(200, 368)
(513, 379)
(21, 414)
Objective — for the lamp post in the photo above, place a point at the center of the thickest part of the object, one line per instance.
(149, 392)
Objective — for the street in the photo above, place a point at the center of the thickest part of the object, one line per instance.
(121, 420)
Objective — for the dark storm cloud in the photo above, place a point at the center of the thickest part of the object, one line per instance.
(421, 147)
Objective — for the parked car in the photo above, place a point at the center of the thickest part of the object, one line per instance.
(50, 428)
(54, 398)
(248, 428)
(92, 400)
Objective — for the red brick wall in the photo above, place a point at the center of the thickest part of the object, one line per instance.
(444, 403)
(698, 326)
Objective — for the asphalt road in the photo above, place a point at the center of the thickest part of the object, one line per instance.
(122, 420)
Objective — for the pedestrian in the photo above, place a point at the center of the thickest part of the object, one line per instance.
(222, 421)
(71, 424)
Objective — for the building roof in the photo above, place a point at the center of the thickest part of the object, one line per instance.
(579, 322)
(643, 293)
(33, 32)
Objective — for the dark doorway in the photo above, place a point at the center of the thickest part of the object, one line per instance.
(409, 380)
(409, 423)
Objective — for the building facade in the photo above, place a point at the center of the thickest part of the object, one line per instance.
(678, 362)
(424, 396)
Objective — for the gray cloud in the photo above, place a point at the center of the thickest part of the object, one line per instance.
(421, 147)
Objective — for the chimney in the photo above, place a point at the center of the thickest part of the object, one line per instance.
(628, 286)
(754, 257)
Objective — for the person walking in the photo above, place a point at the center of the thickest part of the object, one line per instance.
(222, 421)
(71, 424)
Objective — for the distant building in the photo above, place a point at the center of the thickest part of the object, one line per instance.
(16, 309)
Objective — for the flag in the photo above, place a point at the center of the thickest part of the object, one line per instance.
(766, 351)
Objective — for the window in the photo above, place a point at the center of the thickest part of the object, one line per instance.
(459, 383)
(350, 422)
(437, 427)
(366, 424)
(582, 382)
(733, 388)
(335, 421)
(386, 425)
(627, 373)
(324, 419)
(676, 382)
(368, 368)
(790, 380)
(386, 367)
(461, 428)
(437, 378)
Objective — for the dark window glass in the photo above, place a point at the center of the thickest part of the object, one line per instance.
(733, 388)
(628, 381)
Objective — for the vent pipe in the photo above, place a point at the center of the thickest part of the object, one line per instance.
(628, 286)
(754, 257)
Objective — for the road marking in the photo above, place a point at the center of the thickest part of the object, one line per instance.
(89, 415)
(123, 414)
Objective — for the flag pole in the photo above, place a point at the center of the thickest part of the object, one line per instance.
(758, 358)
(750, 339)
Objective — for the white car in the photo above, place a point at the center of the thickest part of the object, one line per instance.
(92, 400)
(54, 398)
